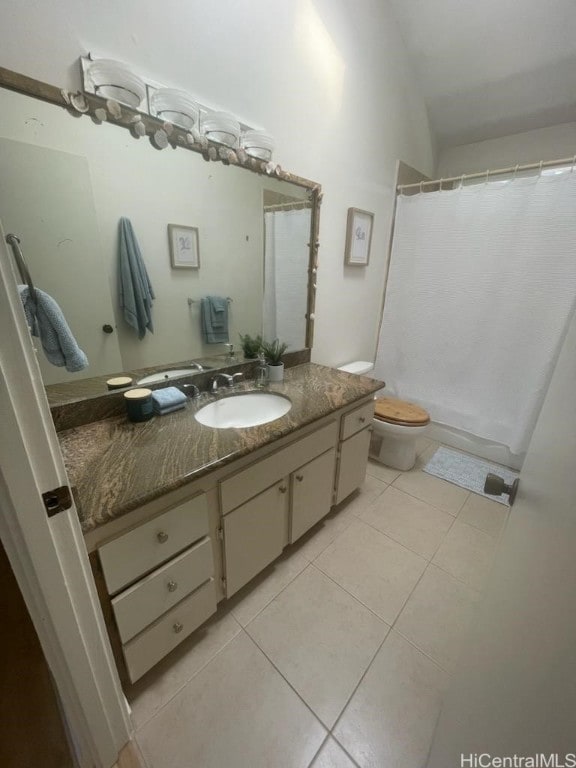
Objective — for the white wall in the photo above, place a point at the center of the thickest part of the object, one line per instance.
(330, 79)
(552, 143)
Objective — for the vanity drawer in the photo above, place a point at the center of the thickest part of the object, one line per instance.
(147, 648)
(247, 483)
(156, 593)
(139, 551)
(357, 419)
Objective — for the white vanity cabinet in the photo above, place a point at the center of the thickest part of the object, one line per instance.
(161, 569)
(274, 501)
(160, 583)
(355, 432)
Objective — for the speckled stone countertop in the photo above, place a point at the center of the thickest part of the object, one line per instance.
(116, 466)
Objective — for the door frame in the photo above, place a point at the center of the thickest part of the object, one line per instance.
(48, 555)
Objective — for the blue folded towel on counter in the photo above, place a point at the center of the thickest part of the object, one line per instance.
(168, 400)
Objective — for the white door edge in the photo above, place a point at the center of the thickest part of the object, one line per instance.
(48, 555)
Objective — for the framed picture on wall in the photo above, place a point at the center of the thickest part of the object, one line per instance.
(184, 249)
(358, 237)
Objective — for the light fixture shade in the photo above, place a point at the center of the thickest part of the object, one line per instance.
(114, 80)
(221, 127)
(258, 144)
(175, 106)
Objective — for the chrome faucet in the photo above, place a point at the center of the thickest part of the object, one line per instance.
(197, 366)
(230, 380)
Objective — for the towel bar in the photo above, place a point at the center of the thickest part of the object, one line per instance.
(195, 301)
(14, 242)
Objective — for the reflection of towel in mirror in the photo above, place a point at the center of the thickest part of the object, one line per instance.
(136, 293)
(46, 320)
(214, 320)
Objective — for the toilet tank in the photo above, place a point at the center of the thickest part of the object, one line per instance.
(359, 367)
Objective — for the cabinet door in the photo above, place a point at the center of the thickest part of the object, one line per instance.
(254, 535)
(353, 463)
(312, 489)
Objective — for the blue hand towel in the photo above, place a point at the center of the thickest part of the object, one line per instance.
(136, 292)
(46, 320)
(214, 320)
(168, 399)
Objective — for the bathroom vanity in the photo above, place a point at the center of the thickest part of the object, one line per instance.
(178, 516)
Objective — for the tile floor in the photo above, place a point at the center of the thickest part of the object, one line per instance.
(338, 655)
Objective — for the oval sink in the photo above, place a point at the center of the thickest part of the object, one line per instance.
(154, 378)
(246, 410)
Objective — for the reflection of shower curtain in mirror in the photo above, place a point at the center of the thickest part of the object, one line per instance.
(482, 283)
(287, 234)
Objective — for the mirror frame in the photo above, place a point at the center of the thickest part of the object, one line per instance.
(162, 135)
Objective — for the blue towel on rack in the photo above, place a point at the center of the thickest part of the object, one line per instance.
(46, 321)
(167, 400)
(214, 320)
(136, 293)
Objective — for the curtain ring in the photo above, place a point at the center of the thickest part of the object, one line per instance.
(440, 189)
(515, 172)
(540, 171)
(487, 174)
(422, 182)
(461, 181)
(573, 163)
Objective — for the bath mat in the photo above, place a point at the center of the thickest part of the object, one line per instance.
(467, 471)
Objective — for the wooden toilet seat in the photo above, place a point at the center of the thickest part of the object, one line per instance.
(400, 412)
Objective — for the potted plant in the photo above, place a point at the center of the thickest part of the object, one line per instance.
(250, 345)
(273, 351)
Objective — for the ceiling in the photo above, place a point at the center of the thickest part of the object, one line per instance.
(492, 67)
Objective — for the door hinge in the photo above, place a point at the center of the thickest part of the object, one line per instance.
(57, 500)
(220, 534)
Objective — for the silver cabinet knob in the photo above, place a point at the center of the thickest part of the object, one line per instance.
(172, 586)
(282, 489)
(162, 537)
(299, 478)
(495, 486)
(177, 627)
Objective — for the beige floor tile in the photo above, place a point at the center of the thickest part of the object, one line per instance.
(321, 640)
(372, 488)
(376, 570)
(487, 515)
(382, 472)
(466, 553)
(238, 711)
(164, 681)
(438, 615)
(409, 521)
(332, 756)
(321, 535)
(441, 494)
(251, 599)
(390, 720)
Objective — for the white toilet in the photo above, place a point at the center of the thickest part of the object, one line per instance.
(397, 422)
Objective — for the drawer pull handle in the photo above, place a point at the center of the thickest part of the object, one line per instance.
(177, 627)
(162, 537)
(172, 586)
(362, 419)
(299, 478)
(282, 489)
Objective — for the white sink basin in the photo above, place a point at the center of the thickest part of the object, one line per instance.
(245, 410)
(154, 378)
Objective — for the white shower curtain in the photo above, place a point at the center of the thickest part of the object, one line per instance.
(482, 283)
(287, 234)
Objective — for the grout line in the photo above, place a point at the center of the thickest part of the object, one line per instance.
(263, 652)
(187, 681)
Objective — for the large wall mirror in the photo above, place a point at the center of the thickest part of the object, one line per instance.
(65, 184)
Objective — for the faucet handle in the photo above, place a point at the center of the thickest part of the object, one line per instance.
(236, 377)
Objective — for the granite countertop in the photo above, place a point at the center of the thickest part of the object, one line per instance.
(115, 466)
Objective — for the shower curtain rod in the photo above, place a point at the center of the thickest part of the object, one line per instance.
(288, 206)
(498, 172)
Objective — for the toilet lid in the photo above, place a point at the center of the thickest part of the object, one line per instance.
(400, 412)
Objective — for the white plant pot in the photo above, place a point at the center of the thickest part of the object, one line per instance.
(276, 372)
